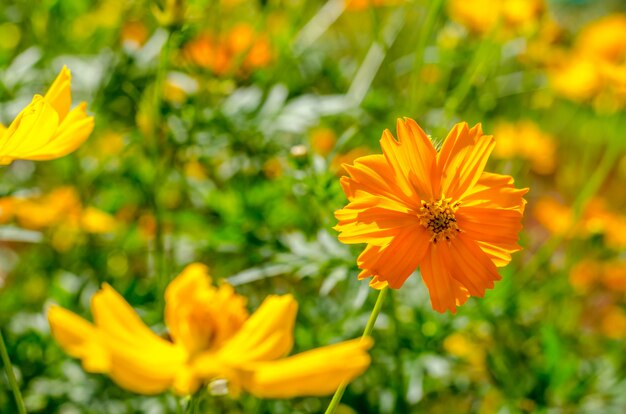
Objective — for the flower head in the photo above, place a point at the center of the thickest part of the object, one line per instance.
(47, 128)
(415, 207)
(211, 336)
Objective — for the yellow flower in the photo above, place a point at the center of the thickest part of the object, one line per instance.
(211, 336)
(355, 5)
(46, 128)
(554, 216)
(483, 16)
(594, 68)
(440, 211)
(524, 139)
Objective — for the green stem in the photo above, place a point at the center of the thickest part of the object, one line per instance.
(8, 367)
(158, 136)
(334, 403)
(425, 35)
(474, 70)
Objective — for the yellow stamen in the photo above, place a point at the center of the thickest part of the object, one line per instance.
(438, 218)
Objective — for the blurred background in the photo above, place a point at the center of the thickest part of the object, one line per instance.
(237, 163)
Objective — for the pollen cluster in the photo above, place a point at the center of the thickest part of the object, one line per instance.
(438, 218)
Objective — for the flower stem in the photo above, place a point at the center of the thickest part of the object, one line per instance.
(8, 367)
(367, 332)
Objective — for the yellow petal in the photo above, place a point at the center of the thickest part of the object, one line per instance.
(141, 361)
(72, 132)
(202, 317)
(313, 373)
(33, 128)
(59, 95)
(79, 338)
(266, 336)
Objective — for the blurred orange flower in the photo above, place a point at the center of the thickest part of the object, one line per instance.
(322, 140)
(134, 34)
(46, 128)
(240, 49)
(441, 211)
(596, 218)
(212, 337)
(354, 5)
(347, 158)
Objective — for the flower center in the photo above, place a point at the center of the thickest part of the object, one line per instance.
(438, 218)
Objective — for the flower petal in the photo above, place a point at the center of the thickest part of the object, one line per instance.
(374, 220)
(141, 361)
(79, 338)
(462, 159)
(395, 262)
(496, 227)
(33, 128)
(495, 191)
(59, 95)
(73, 131)
(265, 336)
(313, 373)
(445, 292)
(412, 156)
(470, 266)
(373, 175)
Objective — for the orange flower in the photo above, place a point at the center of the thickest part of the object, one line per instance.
(414, 206)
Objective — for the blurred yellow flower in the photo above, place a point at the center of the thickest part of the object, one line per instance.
(46, 128)
(598, 219)
(554, 216)
(461, 346)
(595, 68)
(526, 140)
(61, 207)
(211, 336)
(483, 16)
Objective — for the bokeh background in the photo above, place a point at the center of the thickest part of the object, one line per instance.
(237, 167)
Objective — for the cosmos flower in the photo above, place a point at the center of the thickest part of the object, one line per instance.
(210, 337)
(415, 207)
(46, 128)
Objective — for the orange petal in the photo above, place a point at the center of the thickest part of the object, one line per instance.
(372, 174)
(412, 156)
(395, 262)
(470, 266)
(496, 227)
(445, 292)
(495, 191)
(462, 159)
